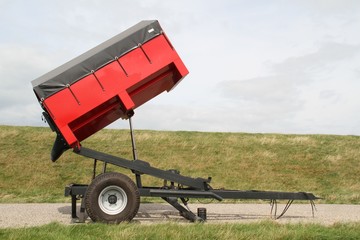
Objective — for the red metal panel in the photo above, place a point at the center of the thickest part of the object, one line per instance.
(111, 92)
(159, 50)
(112, 77)
(131, 63)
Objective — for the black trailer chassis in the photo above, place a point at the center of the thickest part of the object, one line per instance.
(113, 197)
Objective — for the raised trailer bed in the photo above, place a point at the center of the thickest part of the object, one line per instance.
(104, 84)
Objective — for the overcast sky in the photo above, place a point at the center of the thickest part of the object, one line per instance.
(255, 66)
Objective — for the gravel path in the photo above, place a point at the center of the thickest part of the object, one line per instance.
(27, 215)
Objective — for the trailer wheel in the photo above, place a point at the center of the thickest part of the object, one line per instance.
(112, 198)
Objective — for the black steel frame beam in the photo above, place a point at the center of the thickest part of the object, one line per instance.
(172, 195)
(76, 189)
(226, 194)
(143, 167)
(153, 192)
(264, 195)
(199, 187)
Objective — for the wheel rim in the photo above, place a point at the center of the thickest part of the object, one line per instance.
(112, 200)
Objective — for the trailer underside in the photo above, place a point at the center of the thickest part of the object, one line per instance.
(177, 189)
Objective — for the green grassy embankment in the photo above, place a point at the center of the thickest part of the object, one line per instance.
(325, 165)
(264, 230)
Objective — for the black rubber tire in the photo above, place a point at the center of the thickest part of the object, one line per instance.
(117, 181)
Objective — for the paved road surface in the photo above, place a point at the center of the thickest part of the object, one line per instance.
(26, 215)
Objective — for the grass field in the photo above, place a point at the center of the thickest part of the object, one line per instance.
(325, 165)
(264, 230)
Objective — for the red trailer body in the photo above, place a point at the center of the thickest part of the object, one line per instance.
(108, 82)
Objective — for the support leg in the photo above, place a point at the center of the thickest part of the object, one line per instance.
(73, 206)
(82, 216)
(94, 169)
(133, 144)
(187, 214)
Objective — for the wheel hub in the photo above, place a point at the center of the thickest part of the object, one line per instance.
(112, 199)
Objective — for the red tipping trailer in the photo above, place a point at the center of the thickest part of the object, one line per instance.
(107, 83)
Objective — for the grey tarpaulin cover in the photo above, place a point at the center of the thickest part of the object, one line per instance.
(95, 58)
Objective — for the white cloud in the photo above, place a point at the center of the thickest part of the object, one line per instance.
(268, 66)
(315, 93)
